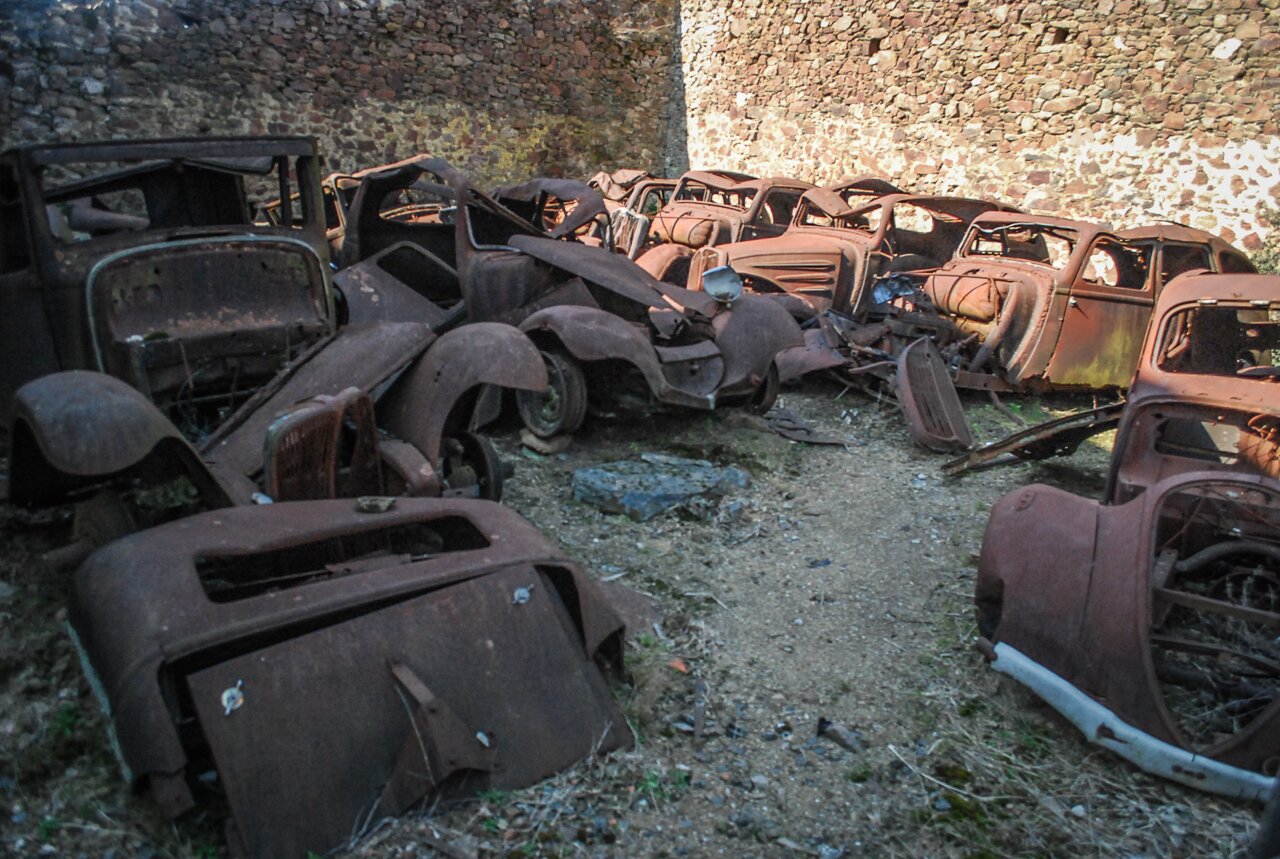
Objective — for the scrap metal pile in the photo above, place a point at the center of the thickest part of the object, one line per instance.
(263, 391)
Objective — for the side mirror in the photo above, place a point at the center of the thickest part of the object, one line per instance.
(722, 283)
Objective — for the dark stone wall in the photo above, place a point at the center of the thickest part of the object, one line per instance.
(504, 89)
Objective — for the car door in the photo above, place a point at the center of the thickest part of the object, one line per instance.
(1105, 316)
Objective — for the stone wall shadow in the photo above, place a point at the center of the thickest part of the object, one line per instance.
(675, 149)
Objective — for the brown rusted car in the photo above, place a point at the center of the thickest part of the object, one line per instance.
(1150, 619)
(712, 208)
(314, 666)
(170, 338)
(1057, 303)
(140, 259)
(843, 238)
(610, 333)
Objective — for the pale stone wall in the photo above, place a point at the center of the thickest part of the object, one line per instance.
(503, 88)
(1121, 111)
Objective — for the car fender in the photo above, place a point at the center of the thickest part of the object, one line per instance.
(750, 334)
(78, 427)
(591, 334)
(421, 403)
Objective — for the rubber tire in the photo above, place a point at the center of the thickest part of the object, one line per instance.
(563, 407)
(767, 394)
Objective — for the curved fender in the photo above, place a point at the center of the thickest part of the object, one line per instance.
(750, 334)
(79, 426)
(592, 334)
(418, 404)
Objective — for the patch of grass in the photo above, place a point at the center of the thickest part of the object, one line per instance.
(859, 772)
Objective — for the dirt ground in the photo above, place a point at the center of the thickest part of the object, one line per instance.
(840, 589)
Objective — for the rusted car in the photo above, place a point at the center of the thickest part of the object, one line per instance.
(843, 239)
(375, 409)
(187, 335)
(142, 260)
(313, 666)
(609, 332)
(1150, 619)
(1056, 303)
(712, 208)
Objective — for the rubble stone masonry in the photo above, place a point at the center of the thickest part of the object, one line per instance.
(1118, 110)
(503, 88)
(1121, 110)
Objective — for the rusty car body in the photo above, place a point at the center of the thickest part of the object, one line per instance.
(610, 333)
(1150, 619)
(374, 409)
(317, 666)
(845, 237)
(1056, 303)
(141, 259)
(711, 208)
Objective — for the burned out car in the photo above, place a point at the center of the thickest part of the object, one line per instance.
(1056, 303)
(843, 239)
(314, 666)
(373, 410)
(188, 335)
(1150, 619)
(712, 208)
(142, 260)
(609, 332)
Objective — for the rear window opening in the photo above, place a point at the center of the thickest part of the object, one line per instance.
(1222, 340)
(230, 578)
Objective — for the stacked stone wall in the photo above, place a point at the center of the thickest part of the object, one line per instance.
(504, 89)
(1117, 110)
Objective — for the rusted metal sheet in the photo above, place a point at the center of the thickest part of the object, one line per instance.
(342, 665)
(714, 208)
(1057, 437)
(427, 402)
(76, 429)
(1204, 395)
(358, 356)
(935, 417)
(843, 237)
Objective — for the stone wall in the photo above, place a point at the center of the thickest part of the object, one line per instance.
(1119, 110)
(505, 89)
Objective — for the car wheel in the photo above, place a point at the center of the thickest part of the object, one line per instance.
(560, 409)
(472, 467)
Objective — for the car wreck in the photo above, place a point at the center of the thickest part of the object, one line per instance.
(1055, 303)
(843, 238)
(142, 260)
(609, 332)
(316, 665)
(188, 336)
(712, 208)
(1149, 619)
